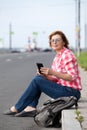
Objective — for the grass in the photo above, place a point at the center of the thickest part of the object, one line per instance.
(79, 117)
(82, 60)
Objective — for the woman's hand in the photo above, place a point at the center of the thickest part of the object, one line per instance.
(38, 73)
(46, 71)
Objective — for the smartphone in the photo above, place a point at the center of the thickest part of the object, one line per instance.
(39, 65)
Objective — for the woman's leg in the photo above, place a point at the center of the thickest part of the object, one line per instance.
(53, 89)
(29, 97)
(40, 84)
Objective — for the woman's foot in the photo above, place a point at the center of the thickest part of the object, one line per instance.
(11, 111)
(27, 112)
(29, 108)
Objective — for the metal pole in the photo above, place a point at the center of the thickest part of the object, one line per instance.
(10, 36)
(76, 24)
(85, 26)
(78, 28)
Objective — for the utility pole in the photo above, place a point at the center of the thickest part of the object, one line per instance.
(10, 37)
(77, 8)
(85, 24)
(78, 26)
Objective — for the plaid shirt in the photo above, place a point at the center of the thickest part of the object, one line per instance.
(66, 62)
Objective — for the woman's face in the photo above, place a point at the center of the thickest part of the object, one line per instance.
(56, 43)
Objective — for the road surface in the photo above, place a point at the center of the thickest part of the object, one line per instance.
(16, 72)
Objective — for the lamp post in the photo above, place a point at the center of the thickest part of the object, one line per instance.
(10, 37)
(85, 24)
(76, 23)
(78, 26)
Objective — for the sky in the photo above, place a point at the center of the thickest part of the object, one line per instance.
(41, 16)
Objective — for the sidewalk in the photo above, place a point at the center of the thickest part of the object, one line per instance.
(83, 100)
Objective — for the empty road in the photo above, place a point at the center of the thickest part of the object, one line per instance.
(16, 72)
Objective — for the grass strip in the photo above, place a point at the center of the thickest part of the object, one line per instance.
(82, 60)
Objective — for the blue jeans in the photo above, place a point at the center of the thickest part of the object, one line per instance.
(40, 84)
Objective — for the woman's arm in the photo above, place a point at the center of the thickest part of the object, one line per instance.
(49, 72)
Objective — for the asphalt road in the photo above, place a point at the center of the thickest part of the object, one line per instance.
(16, 72)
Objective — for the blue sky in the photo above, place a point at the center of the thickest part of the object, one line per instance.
(42, 16)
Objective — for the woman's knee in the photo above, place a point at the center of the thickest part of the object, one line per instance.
(38, 78)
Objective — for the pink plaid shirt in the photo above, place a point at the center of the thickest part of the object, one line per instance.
(66, 62)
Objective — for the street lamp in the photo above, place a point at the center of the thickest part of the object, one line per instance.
(85, 24)
(10, 36)
(78, 26)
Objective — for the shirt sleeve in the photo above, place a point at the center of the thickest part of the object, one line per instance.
(71, 65)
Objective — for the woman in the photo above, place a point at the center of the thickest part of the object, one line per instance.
(62, 79)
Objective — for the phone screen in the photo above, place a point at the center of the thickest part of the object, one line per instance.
(39, 65)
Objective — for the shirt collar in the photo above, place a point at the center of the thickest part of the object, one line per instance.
(62, 50)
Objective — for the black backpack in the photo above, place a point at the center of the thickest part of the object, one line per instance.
(50, 113)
